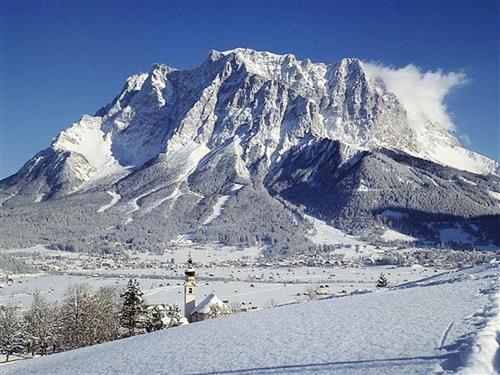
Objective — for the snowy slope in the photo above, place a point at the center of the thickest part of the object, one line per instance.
(172, 141)
(377, 333)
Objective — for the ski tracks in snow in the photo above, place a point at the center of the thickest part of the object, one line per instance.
(445, 335)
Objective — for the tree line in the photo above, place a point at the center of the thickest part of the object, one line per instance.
(83, 318)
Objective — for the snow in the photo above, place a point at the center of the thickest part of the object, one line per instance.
(458, 157)
(433, 181)
(467, 181)
(218, 208)
(189, 156)
(456, 234)
(494, 194)
(3, 200)
(392, 235)
(284, 68)
(86, 138)
(241, 168)
(364, 188)
(204, 306)
(236, 187)
(373, 333)
(485, 349)
(327, 235)
(115, 198)
(173, 196)
(186, 155)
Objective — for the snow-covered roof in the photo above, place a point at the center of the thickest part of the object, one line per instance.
(204, 306)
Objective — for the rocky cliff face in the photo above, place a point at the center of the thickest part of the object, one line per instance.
(249, 126)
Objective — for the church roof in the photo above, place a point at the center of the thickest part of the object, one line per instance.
(204, 306)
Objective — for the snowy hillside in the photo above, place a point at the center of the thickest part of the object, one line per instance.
(443, 324)
(166, 154)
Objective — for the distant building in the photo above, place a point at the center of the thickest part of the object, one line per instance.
(211, 306)
(189, 290)
(205, 309)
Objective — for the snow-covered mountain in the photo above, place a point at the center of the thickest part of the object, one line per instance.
(175, 142)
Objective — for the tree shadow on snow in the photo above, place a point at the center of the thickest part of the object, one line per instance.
(341, 365)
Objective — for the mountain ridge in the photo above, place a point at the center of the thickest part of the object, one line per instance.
(185, 137)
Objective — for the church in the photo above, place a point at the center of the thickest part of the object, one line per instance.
(210, 307)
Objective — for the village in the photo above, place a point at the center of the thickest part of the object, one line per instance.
(190, 282)
(241, 276)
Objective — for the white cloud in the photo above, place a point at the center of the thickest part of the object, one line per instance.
(421, 93)
(465, 139)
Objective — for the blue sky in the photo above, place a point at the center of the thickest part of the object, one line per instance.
(62, 59)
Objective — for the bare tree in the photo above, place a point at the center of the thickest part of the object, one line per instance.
(12, 331)
(106, 314)
(77, 311)
(41, 324)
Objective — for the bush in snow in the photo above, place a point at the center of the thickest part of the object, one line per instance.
(218, 310)
(382, 281)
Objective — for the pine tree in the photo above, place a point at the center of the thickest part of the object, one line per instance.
(12, 331)
(132, 315)
(382, 281)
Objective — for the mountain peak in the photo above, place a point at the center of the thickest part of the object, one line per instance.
(241, 127)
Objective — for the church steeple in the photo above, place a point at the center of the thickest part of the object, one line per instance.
(189, 289)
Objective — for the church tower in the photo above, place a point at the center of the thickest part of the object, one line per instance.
(189, 290)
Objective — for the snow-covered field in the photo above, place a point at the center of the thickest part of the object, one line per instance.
(441, 324)
(237, 275)
(259, 287)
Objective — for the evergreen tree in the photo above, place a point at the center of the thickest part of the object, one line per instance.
(382, 281)
(132, 315)
(155, 319)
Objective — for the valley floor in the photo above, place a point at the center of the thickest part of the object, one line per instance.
(440, 324)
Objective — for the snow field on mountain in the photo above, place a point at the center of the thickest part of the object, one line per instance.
(494, 194)
(392, 235)
(328, 235)
(115, 198)
(420, 329)
(217, 209)
(87, 139)
(309, 132)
